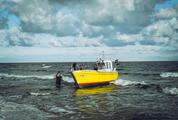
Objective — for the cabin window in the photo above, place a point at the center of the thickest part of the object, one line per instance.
(108, 65)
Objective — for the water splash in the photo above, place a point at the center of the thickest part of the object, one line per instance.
(169, 74)
(68, 79)
(127, 82)
(171, 91)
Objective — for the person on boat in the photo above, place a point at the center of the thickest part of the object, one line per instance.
(58, 78)
(95, 67)
(100, 64)
(80, 67)
(74, 66)
(117, 65)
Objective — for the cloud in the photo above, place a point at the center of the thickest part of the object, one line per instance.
(14, 37)
(166, 13)
(128, 38)
(117, 25)
(120, 13)
(66, 17)
(126, 53)
(163, 32)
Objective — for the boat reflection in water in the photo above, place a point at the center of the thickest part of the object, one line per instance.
(95, 100)
(95, 90)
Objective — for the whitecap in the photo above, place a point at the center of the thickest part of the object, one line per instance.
(68, 79)
(39, 94)
(65, 78)
(169, 74)
(46, 66)
(126, 82)
(27, 76)
(59, 110)
(171, 91)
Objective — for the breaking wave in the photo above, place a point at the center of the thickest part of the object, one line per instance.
(65, 78)
(171, 91)
(27, 76)
(56, 109)
(39, 94)
(127, 82)
(68, 79)
(169, 74)
(46, 66)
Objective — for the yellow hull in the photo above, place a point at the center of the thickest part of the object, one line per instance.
(87, 78)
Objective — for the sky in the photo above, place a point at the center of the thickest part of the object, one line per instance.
(79, 30)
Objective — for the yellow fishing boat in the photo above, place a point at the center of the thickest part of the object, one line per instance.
(102, 74)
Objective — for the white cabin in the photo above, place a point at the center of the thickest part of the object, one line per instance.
(106, 65)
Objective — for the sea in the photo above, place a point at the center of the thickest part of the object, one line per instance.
(144, 91)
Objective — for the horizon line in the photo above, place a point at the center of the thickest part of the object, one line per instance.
(85, 61)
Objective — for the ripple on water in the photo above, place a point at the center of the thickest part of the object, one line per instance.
(56, 109)
(13, 111)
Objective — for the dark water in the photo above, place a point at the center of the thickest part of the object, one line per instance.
(144, 91)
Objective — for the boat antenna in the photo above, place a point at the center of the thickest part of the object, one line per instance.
(103, 55)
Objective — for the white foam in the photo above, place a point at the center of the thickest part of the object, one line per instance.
(171, 91)
(46, 67)
(169, 74)
(65, 78)
(68, 79)
(60, 110)
(39, 94)
(126, 82)
(27, 76)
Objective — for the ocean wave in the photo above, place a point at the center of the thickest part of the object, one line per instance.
(46, 66)
(65, 78)
(68, 79)
(11, 110)
(127, 82)
(169, 74)
(55, 109)
(171, 91)
(39, 94)
(27, 76)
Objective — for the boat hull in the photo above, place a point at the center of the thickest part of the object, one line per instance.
(90, 78)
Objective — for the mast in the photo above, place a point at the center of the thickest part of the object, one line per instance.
(103, 54)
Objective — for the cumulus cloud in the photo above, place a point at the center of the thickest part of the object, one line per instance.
(166, 13)
(14, 37)
(121, 14)
(133, 24)
(163, 32)
(127, 38)
(57, 16)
